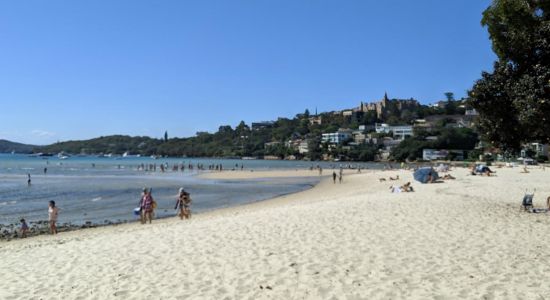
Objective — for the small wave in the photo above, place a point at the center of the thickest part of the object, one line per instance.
(8, 202)
(97, 199)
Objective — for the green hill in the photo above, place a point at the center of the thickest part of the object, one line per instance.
(8, 147)
(116, 144)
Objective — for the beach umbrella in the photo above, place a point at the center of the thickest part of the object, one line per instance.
(422, 175)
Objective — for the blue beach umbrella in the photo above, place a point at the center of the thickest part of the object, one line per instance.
(422, 175)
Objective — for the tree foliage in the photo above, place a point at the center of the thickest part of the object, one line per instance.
(447, 138)
(514, 100)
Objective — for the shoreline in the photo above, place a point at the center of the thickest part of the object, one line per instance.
(10, 232)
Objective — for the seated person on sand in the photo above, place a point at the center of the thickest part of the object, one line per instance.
(486, 171)
(524, 170)
(482, 170)
(448, 176)
(395, 189)
(407, 187)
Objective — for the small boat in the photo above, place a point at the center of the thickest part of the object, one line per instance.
(62, 155)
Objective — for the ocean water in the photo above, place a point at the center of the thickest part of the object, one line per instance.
(101, 190)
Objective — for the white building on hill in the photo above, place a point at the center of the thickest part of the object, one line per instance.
(400, 132)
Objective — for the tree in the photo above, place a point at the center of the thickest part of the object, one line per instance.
(514, 100)
(450, 96)
(166, 136)
(242, 129)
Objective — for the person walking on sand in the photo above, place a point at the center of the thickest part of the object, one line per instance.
(183, 203)
(146, 206)
(24, 228)
(53, 213)
(340, 178)
(334, 177)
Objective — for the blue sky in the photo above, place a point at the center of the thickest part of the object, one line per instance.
(82, 69)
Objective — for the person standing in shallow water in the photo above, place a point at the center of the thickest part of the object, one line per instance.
(29, 179)
(53, 212)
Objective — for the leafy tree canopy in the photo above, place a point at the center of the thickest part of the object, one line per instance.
(514, 100)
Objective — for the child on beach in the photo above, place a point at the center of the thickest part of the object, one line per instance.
(24, 228)
(52, 217)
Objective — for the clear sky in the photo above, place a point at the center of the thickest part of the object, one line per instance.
(82, 69)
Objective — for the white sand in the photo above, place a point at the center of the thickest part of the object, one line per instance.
(463, 239)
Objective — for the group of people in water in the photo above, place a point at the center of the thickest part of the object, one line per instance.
(165, 167)
(147, 206)
(182, 167)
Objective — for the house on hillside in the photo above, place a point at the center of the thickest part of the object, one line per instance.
(538, 148)
(359, 137)
(339, 137)
(316, 120)
(303, 148)
(400, 132)
(262, 125)
(433, 154)
(429, 123)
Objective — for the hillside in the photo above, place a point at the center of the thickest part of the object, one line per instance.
(116, 144)
(8, 147)
(288, 137)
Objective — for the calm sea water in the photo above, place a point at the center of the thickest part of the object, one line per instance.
(108, 189)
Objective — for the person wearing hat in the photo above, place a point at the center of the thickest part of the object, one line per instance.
(182, 203)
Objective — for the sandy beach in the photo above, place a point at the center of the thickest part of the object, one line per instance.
(461, 239)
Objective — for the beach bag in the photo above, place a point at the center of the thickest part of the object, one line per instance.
(154, 204)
